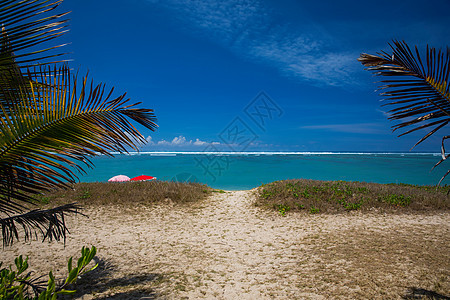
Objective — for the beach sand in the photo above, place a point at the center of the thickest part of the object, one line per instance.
(226, 248)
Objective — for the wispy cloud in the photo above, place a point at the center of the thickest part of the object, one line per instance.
(323, 68)
(362, 128)
(385, 113)
(225, 21)
(246, 28)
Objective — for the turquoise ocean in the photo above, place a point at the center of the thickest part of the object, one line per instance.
(238, 171)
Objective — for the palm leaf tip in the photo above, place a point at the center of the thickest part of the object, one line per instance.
(370, 60)
(49, 223)
(143, 116)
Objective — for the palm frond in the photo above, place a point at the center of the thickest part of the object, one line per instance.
(25, 32)
(57, 128)
(49, 223)
(419, 93)
(50, 125)
(417, 89)
(27, 28)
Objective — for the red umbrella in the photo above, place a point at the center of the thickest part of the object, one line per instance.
(142, 178)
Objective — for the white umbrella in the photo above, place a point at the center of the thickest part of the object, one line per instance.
(119, 178)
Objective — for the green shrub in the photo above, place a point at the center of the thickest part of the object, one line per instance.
(314, 210)
(300, 206)
(17, 284)
(86, 194)
(397, 200)
(341, 196)
(41, 199)
(353, 206)
(283, 209)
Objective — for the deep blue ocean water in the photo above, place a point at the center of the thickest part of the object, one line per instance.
(235, 171)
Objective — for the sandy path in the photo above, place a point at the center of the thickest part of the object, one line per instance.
(225, 248)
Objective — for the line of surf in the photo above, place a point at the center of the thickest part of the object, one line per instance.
(224, 153)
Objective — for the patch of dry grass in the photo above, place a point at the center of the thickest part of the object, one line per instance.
(126, 193)
(315, 196)
(374, 263)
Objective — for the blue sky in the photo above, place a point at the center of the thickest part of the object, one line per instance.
(253, 75)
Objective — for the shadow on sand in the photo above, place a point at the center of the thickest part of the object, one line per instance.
(418, 293)
(100, 280)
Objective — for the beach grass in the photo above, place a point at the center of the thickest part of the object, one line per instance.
(126, 193)
(296, 195)
(314, 196)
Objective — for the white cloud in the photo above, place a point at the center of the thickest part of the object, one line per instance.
(199, 143)
(163, 142)
(179, 141)
(149, 140)
(246, 28)
(307, 63)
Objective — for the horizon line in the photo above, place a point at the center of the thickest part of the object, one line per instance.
(271, 153)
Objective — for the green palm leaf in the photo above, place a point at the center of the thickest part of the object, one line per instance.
(417, 89)
(55, 127)
(27, 27)
(50, 124)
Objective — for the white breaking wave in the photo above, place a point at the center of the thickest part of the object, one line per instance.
(224, 153)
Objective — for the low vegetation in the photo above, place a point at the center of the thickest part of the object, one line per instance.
(126, 193)
(17, 284)
(313, 196)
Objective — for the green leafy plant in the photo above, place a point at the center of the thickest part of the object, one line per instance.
(19, 285)
(41, 199)
(300, 206)
(353, 205)
(305, 194)
(397, 200)
(283, 209)
(417, 89)
(86, 194)
(362, 190)
(266, 194)
(314, 210)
